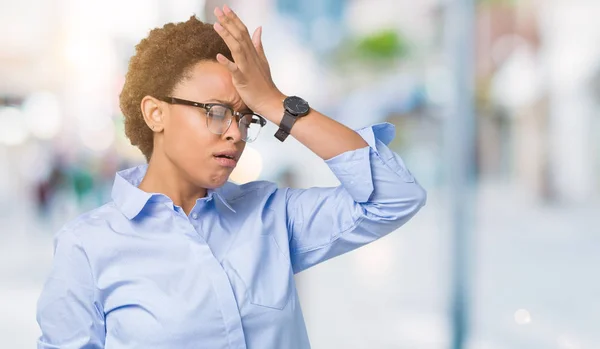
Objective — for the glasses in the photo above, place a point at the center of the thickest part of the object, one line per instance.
(219, 118)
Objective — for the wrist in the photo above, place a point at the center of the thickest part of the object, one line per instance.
(272, 109)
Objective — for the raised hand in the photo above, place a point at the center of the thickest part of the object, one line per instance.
(250, 69)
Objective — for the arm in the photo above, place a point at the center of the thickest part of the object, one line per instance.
(67, 312)
(377, 193)
(326, 137)
(376, 196)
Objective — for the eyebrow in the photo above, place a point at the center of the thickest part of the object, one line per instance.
(229, 104)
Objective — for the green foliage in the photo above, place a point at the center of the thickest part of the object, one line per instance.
(385, 44)
(378, 50)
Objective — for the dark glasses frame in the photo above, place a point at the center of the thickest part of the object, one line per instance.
(208, 106)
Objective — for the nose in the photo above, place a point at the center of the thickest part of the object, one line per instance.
(233, 133)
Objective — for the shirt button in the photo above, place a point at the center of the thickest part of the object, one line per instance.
(194, 215)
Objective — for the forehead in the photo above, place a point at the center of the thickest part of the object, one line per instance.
(208, 81)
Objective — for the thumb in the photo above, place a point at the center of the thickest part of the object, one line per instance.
(232, 67)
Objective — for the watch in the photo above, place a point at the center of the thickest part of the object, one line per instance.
(295, 108)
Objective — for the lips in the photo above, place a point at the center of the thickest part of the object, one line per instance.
(230, 154)
(227, 158)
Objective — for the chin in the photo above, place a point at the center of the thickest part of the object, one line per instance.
(217, 181)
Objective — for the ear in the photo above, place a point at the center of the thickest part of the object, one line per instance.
(153, 110)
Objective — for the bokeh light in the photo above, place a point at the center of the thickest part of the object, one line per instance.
(249, 166)
(43, 115)
(522, 317)
(13, 130)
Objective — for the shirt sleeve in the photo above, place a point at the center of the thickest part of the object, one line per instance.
(67, 312)
(376, 196)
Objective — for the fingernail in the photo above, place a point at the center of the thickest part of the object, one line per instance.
(218, 26)
(226, 9)
(218, 12)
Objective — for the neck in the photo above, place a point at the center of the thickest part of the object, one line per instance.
(166, 178)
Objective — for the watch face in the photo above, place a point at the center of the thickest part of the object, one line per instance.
(296, 105)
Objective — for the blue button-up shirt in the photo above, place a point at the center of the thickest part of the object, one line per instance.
(139, 273)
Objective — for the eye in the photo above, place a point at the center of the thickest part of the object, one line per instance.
(245, 120)
(218, 111)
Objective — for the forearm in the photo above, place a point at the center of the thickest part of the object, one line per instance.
(322, 135)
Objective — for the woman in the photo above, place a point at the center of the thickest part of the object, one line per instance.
(181, 258)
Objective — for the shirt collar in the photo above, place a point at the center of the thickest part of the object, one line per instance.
(131, 200)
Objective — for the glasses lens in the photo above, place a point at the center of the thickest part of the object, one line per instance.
(250, 127)
(218, 119)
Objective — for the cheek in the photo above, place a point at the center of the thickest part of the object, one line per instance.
(187, 138)
(189, 145)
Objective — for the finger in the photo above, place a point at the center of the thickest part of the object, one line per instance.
(257, 42)
(232, 67)
(228, 21)
(236, 22)
(234, 46)
(223, 20)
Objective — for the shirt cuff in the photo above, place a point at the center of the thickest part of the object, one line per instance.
(354, 168)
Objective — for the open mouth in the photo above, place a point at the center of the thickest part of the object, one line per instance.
(225, 157)
(226, 160)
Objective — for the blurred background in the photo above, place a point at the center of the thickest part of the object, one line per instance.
(503, 255)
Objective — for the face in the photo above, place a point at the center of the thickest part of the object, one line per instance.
(186, 140)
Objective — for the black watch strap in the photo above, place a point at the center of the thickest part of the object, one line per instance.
(285, 127)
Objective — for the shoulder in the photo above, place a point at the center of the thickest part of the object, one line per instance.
(83, 226)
